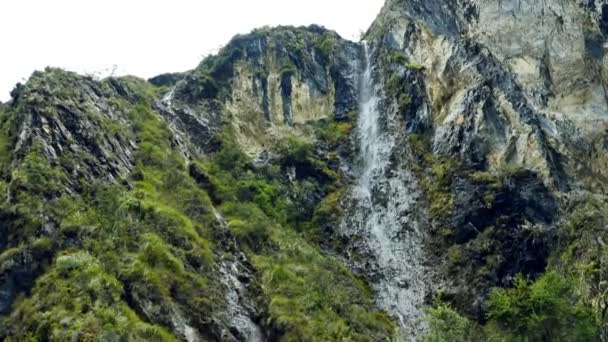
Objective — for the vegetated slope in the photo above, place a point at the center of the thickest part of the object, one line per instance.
(115, 224)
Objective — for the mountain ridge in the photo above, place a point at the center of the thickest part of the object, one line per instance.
(444, 180)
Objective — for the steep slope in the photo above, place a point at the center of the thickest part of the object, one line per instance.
(500, 106)
(131, 211)
(536, 88)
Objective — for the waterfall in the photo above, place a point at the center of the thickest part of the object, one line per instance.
(372, 145)
(382, 220)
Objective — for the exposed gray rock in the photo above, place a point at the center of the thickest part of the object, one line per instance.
(498, 88)
(166, 80)
(73, 122)
(270, 82)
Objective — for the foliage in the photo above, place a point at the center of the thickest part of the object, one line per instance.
(5, 155)
(404, 102)
(310, 296)
(398, 57)
(326, 45)
(548, 309)
(200, 85)
(333, 132)
(288, 70)
(150, 242)
(37, 175)
(447, 325)
(79, 300)
(437, 173)
(583, 255)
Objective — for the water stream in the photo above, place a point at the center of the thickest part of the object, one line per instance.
(382, 224)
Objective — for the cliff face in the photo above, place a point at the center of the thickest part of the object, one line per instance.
(298, 186)
(502, 107)
(267, 85)
(534, 75)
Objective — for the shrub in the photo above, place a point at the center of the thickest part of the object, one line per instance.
(548, 309)
(333, 132)
(326, 46)
(314, 298)
(248, 223)
(446, 325)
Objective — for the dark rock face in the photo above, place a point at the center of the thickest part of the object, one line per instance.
(14, 279)
(18, 272)
(286, 90)
(506, 229)
(166, 80)
(71, 117)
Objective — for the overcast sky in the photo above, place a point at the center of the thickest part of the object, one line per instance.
(146, 38)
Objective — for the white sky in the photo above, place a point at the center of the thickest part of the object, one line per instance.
(146, 38)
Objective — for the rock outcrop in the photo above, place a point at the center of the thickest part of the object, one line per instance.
(267, 85)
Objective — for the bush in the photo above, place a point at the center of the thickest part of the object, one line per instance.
(36, 174)
(248, 223)
(230, 157)
(77, 299)
(447, 325)
(333, 132)
(548, 309)
(326, 46)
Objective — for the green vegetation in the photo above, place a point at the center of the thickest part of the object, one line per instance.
(394, 85)
(5, 155)
(288, 70)
(310, 296)
(397, 57)
(582, 254)
(326, 46)
(566, 303)
(404, 102)
(202, 86)
(313, 297)
(333, 132)
(78, 299)
(436, 176)
(399, 89)
(548, 309)
(445, 324)
(151, 242)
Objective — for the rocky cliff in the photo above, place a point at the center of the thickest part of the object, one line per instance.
(444, 179)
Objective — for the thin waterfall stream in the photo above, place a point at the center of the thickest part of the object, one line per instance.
(382, 226)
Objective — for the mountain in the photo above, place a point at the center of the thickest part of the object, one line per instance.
(442, 180)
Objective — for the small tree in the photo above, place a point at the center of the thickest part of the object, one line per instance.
(546, 310)
(445, 324)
